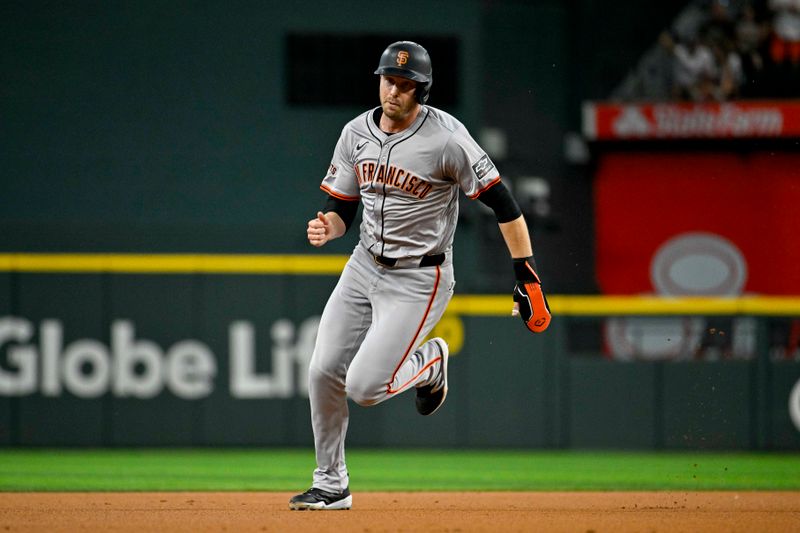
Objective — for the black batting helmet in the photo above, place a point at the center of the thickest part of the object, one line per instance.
(408, 60)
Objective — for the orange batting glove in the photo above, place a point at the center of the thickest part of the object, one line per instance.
(530, 301)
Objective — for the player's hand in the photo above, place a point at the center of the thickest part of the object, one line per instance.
(530, 303)
(319, 230)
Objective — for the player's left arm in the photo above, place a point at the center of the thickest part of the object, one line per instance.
(518, 241)
(477, 176)
(530, 301)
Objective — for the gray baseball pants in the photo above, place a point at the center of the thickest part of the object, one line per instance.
(368, 348)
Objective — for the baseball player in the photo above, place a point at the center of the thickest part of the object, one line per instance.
(405, 162)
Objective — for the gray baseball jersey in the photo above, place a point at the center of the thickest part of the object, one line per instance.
(408, 182)
(369, 344)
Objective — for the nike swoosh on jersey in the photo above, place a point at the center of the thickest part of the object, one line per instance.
(360, 146)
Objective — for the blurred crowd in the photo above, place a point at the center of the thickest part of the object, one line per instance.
(718, 50)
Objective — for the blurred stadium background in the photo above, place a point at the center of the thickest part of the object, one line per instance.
(160, 161)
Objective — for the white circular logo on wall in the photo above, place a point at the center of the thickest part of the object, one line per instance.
(698, 264)
(688, 264)
(653, 338)
(794, 405)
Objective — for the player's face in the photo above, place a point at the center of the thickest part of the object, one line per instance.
(397, 97)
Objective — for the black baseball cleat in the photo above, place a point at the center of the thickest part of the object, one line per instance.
(431, 397)
(318, 499)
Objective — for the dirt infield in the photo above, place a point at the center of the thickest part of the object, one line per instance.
(423, 511)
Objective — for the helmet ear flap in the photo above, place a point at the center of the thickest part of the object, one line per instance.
(423, 91)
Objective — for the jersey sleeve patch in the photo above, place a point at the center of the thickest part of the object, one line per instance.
(482, 167)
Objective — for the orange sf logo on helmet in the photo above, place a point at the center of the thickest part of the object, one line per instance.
(402, 57)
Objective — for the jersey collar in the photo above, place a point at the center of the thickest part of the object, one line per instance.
(383, 137)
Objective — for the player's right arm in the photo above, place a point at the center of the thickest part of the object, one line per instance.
(341, 185)
(325, 227)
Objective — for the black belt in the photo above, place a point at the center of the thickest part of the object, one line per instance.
(426, 261)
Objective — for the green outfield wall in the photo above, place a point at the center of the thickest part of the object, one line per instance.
(174, 350)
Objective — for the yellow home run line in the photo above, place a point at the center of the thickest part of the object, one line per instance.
(493, 305)
(174, 263)
(475, 305)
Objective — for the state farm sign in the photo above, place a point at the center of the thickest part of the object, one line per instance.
(685, 121)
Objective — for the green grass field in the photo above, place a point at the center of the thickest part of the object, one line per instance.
(393, 470)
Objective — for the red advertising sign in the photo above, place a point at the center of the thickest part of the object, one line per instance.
(741, 119)
(708, 224)
(698, 224)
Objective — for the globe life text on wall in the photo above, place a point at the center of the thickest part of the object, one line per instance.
(140, 368)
